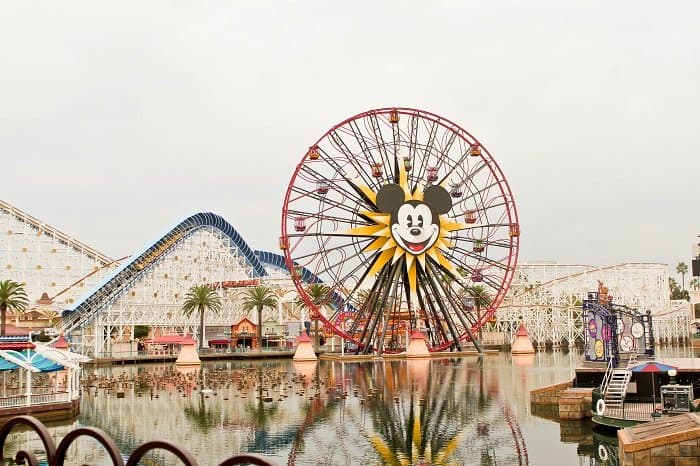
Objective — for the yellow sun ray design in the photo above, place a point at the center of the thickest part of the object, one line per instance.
(389, 249)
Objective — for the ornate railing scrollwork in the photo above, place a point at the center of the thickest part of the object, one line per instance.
(56, 456)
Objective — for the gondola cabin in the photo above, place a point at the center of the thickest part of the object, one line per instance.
(470, 216)
(313, 153)
(394, 117)
(322, 187)
(456, 190)
(432, 174)
(514, 230)
(299, 224)
(475, 150)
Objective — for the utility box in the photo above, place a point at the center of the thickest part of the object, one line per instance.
(677, 398)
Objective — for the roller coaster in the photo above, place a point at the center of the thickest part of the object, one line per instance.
(402, 214)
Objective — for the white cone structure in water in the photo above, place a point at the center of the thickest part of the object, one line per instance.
(417, 347)
(522, 343)
(188, 353)
(305, 350)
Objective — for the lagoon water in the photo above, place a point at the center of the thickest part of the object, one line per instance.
(461, 411)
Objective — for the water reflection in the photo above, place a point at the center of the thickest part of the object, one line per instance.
(467, 411)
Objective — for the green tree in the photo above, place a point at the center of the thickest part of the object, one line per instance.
(141, 331)
(481, 298)
(13, 297)
(200, 299)
(259, 297)
(320, 295)
(682, 269)
(694, 284)
(676, 292)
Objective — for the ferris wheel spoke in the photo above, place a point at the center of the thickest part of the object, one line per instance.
(440, 298)
(481, 191)
(362, 143)
(335, 204)
(356, 190)
(355, 194)
(373, 308)
(376, 131)
(315, 254)
(475, 255)
(342, 147)
(437, 270)
(347, 259)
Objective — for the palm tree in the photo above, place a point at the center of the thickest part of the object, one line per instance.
(682, 268)
(201, 298)
(694, 284)
(319, 294)
(675, 290)
(481, 298)
(258, 298)
(13, 297)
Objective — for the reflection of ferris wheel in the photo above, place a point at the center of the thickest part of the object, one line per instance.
(404, 216)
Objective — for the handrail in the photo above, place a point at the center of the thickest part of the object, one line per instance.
(56, 455)
(606, 378)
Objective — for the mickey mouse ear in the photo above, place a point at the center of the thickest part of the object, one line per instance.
(437, 198)
(390, 197)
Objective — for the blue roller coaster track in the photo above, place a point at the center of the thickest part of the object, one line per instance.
(121, 279)
(307, 276)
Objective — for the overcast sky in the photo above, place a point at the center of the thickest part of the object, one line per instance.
(118, 119)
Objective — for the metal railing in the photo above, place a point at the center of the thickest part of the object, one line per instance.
(56, 454)
(34, 399)
(606, 378)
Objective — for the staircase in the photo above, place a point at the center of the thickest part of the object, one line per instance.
(617, 380)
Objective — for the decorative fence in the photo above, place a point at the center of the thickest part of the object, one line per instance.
(56, 455)
(35, 399)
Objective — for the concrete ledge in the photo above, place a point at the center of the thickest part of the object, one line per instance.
(550, 394)
(683, 429)
(575, 403)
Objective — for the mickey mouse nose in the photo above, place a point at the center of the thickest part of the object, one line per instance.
(415, 231)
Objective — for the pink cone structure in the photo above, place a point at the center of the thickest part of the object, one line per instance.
(61, 343)
(306, 369)
(188, 353)
(418, 369)
(417, 347)
(305, 350)
(522, 343)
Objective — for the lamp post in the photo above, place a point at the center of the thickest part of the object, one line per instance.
(672, 374)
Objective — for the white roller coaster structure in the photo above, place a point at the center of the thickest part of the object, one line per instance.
(107, 297)
(547, 298)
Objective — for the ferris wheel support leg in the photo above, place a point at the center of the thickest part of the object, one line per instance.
(477, 343)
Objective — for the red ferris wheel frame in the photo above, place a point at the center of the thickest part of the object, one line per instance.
(356, 149)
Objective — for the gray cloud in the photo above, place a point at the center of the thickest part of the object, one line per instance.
(119, 118)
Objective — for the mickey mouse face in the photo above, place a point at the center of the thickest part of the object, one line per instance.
(414, 230)
(415, 225)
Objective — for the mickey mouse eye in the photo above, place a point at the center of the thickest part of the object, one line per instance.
(409, 221)
(420, 221)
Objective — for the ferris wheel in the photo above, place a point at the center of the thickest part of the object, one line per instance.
(406, 222)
